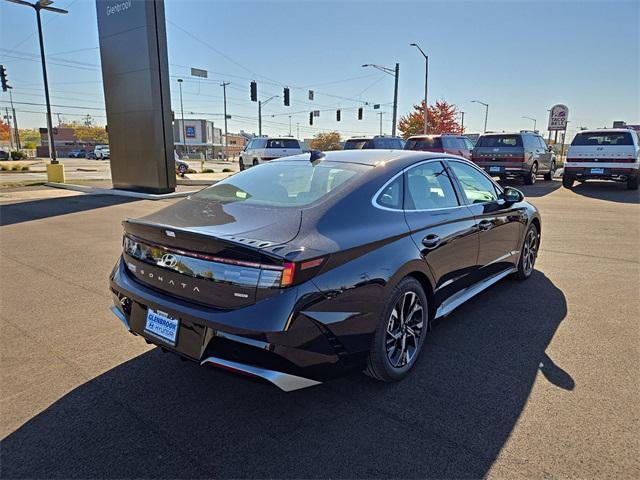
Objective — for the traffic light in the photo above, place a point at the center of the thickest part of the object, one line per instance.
(254, 91)
(3, 79)
(337, 115)
(360, 113)
(286, 97)
(310, 118)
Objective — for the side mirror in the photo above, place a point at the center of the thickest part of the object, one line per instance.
(512, 195)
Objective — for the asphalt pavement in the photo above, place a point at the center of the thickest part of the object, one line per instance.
(527, 380)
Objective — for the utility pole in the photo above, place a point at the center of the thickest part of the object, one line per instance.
(380, 115)
(289, 125)
(16, 132)
(426, 81)
(298, 130)
(184, 129)
(224, 93)
(11, 133)
(396, 74)
(462, 122)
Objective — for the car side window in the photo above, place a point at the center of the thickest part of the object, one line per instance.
(429, 188)
(477, 187)
(391, 195)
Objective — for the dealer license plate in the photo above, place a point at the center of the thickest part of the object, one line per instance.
(162, 326)
(597, 170)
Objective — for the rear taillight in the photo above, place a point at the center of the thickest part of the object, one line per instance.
(288, 274)
(293, 273)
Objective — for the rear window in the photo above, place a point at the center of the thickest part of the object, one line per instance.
(283, 143)
(282, 184)
(617, 138)
(500, 141)
(357, 144)
(423, 143)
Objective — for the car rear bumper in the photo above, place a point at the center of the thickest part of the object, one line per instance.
(504, 168)
(601, 170)
(293, 351)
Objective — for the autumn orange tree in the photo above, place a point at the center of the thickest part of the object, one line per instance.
(441, 118)
(326, 141)
(4, 130)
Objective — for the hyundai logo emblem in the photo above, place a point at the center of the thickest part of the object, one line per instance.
(168, 260)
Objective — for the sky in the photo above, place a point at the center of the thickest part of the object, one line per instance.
(520, 57)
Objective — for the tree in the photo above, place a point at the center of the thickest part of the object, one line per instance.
(441, 118)
(29, 137)
(4, 130)
(326, 141)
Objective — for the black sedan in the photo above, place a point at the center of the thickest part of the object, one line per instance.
(302, 268)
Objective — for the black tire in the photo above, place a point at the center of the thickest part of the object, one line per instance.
(567, 181)
(255, 162)
(384, 362)
(182, 169)
(549, 175)
(528, 253)
(241, 164)
(530, 178)
(632, 183)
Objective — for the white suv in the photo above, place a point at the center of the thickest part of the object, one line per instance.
(101, 152)
(263, 149)
(605, 154)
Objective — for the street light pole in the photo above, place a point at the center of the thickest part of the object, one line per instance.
(260, 103)
(462, 122)
(396, 74)
(534, 121)
(224, 93)
(184, 129)
(380, 113)
(426, 81)
(44, 5)
(289, 125)
(486, 112)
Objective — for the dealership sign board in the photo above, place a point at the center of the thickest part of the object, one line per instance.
(558, 116)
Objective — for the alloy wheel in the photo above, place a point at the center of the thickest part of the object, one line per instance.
(404, 330)
(534, 172)
(530, 251)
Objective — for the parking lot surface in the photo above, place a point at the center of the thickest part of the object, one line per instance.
(528, 379)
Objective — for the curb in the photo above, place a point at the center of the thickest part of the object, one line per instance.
(115, 191)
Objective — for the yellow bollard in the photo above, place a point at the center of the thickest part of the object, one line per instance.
(55, 173)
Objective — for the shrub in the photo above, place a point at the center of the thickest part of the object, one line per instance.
(25, 168)
(18, 155)
(16, 167)
(5, 168)
(227, 170)
(191, 170)
(208, 170)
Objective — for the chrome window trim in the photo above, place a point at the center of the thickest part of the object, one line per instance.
(402, 172)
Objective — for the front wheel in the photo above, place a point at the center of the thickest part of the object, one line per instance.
(549, 174)
(632, 183)
(400, 334)
(529, 253)
(530, 179)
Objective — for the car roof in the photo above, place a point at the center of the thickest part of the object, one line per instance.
(607, 130)
(434, 135)
(372, 157)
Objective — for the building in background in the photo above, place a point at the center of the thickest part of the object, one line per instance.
(65, 140)
(197, 139)
(235, 144)
(622, 124)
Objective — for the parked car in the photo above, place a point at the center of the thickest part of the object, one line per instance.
(372, 143)
(4, 155)
(524, 155)
(101, 152)
(77, 154)
(607, 154)
(311, 265)
(445, 143)
(91, 155)
(262, 149)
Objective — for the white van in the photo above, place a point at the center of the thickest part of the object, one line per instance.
(263, 149)
(605, 154)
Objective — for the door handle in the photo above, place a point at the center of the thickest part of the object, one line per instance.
(431, 241)
(485, 225)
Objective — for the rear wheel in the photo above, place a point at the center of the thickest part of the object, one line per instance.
(632, 182)
(549, 174)
(529, 253)
(182, 169)
(241, 164)
(567, 181)
(400, 335)
(530, 178)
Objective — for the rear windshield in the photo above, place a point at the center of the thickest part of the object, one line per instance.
(423, 143)
(358, 144)
(283, 143)
(282, 184)
(500, 141)
(617, 138)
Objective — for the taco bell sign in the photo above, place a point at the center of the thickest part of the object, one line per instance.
(558, 116)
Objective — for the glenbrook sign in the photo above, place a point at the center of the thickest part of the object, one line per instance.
(558, 116)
